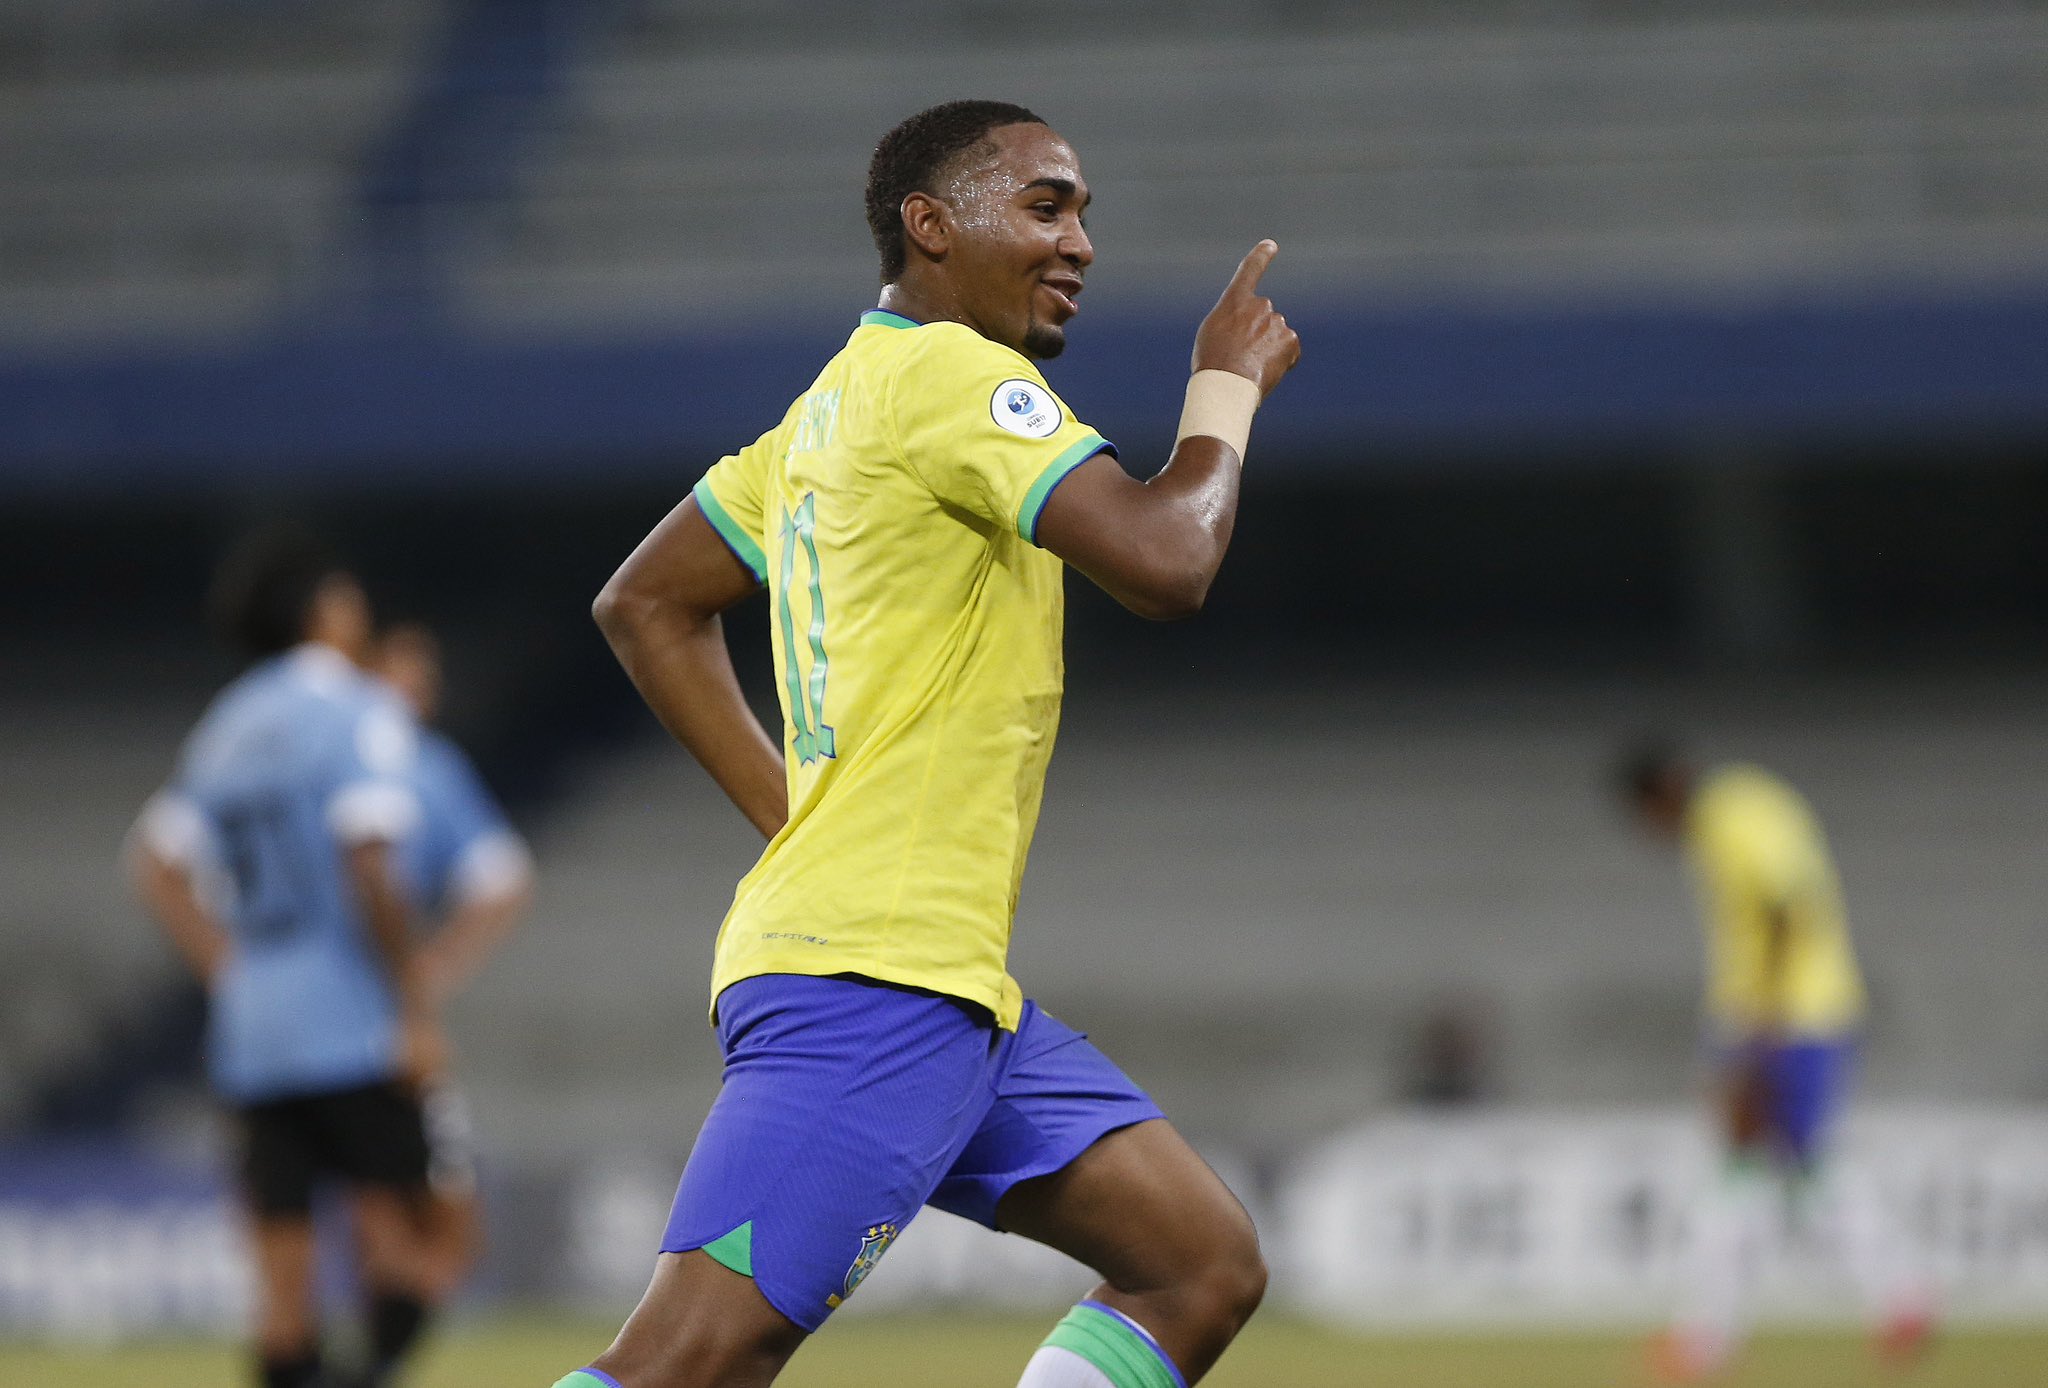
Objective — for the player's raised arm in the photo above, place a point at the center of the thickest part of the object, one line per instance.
(660, 612)
(1155, 546)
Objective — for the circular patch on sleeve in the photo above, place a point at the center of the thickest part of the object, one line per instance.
(1025, 408)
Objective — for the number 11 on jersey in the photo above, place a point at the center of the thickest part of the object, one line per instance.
(806, 696)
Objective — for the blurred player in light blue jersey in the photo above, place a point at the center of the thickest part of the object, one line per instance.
(1784, 1005)
(271, 861)
(470, 878)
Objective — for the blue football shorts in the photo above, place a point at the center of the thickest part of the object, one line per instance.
(1806, 1082)
(848, 1105)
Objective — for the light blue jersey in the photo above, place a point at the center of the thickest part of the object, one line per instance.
(463, 847)
(298, 760)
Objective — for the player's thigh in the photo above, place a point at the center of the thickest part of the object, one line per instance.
(283, 1253)
(454, 1228)
(842, 1105)
(1143, 1209)
(701, 1325)
(279, 1166)
(393, 1244)
(1076, 1155)
(280, 1159)
(374, 1138)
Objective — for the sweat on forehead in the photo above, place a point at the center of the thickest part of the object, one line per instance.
(987, 163)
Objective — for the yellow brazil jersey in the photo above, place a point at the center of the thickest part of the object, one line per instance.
(1757, 850)
(917, 634)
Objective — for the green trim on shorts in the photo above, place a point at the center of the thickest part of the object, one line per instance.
(1123, 1355)
(734, 1250)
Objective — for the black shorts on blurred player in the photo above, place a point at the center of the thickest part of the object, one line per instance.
(368, 1136)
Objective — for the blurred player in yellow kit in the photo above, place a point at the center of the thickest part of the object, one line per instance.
(1784, 1003)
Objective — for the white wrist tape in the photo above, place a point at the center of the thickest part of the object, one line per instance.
(1220, 404)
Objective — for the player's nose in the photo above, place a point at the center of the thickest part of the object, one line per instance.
(1076, 248)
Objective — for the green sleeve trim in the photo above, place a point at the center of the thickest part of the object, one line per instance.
(736, 539)
(1125, 1357)
(734, 1250)
(1055, 473)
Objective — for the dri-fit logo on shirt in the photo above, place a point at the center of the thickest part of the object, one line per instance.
(813, 735)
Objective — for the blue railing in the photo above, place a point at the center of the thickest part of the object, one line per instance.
(377, 398)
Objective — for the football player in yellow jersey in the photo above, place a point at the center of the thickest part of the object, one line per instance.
(1784, 1001)
(910, 517)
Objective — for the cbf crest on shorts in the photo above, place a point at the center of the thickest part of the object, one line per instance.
(872, 1246)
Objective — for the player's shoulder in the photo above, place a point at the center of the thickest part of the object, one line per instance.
(236, 706)
(935, 356)
(1742, 795)
(273, 723)
(1747, 781)
(255, 686)
(442, 761)
(268, 692)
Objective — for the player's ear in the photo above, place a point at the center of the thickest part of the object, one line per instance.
(927, 224)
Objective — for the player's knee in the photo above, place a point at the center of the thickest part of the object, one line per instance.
(1244, 1281)
(701, 1349)
(1231, 1279)
(700, 1361)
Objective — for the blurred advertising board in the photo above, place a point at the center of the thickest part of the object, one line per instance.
(99, 1241)
(1492, 1218)
(1516, 1218)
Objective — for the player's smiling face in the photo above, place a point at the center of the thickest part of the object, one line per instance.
(1019, 248)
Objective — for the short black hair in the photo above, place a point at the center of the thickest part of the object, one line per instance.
(911, 158)
(1647, 767)
(263, 590)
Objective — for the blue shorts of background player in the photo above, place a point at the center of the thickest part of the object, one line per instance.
(1805, 1081)
(848, 1105)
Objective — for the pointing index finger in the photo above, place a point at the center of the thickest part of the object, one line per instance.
(1253, 266)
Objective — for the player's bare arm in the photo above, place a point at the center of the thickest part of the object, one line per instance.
(660, 612)
(168, 894)
(389, 917)
(1155, 546)
(469, 936)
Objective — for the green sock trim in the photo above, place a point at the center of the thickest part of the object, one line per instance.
(1122, 1354)
(580, 1379)
(735, 1250)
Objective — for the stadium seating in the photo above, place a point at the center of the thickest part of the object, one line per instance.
(697, 173)
(1256, 905)
(82, 961)
(1260, 929)
(185, 168)
(200, 167)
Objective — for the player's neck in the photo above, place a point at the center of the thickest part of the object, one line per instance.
(327, 649)
(922, 302)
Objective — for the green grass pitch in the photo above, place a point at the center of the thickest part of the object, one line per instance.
(983, 1352)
